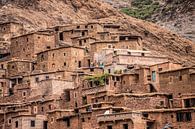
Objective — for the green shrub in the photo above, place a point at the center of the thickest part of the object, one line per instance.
(141, 9)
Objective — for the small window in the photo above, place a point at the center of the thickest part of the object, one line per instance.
(42, 109)
(180, 78)
(161, 103)
(67, 95)
(143, 54)
(117, 78)
(37, 79)
(50, 107)
(16, 124)
(125, 126)
(64, 63)
(24, 94)
(171, 79)
(68, 122)
(9, 121)
(46, 77)
(27, 39)
(91, 27)
(64, 54)
(61, 36)
(79, 65)
(32, 123)
(109, 127)
(110, 46)
(83, 33)
(159, 69)
(2, 66)
(80, 43)
(85, 41)
(83, 119)
(78, 27)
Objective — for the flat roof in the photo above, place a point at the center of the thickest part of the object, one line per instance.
(174, 70)
(61, 47)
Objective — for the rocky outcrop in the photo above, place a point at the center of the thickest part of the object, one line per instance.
(47, 13)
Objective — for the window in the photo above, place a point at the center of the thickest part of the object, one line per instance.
(24, 94)
(80, 43)
(2, 66)
(153, 76)
(85, 41)
(183, 116)
(9, 121)
(37, 79)
(64, 54)
(109, 71)
(109, 127)
(91, 27)
(125, 126)
(180, 78)
(143, 54)
(53, 65)
(42, 109)
(171, 79)
(46, 77)
(45, 124)
(27, 39)
(79, 64)
(83, 119)
(117, 78)
(67, 95)
(61, 36)
(16, 124)
(32, 123)
(161, 103)
(83, 33)
(78, 27)
(64, 63)
(68, 122)
(50, 107)
(159, 69)
(109, 46)
(48, 47)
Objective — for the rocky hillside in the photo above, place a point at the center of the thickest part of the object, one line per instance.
(38, 14)
(177, 15)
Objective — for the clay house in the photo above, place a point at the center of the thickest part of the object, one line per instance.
(10, 29)
(28, 45)
(16, 67)
(111, 27)
(141, 58)
(4, 49)
(177, 81)
(153, 77)
(29, 122)
(123, 120)
(83, 42)
(150, 119)
(67, 35)
(143, 101)
(59, 118)
(63, 58)
(124, 42)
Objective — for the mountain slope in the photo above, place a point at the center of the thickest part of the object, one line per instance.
(176, 15)
(38, 14)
